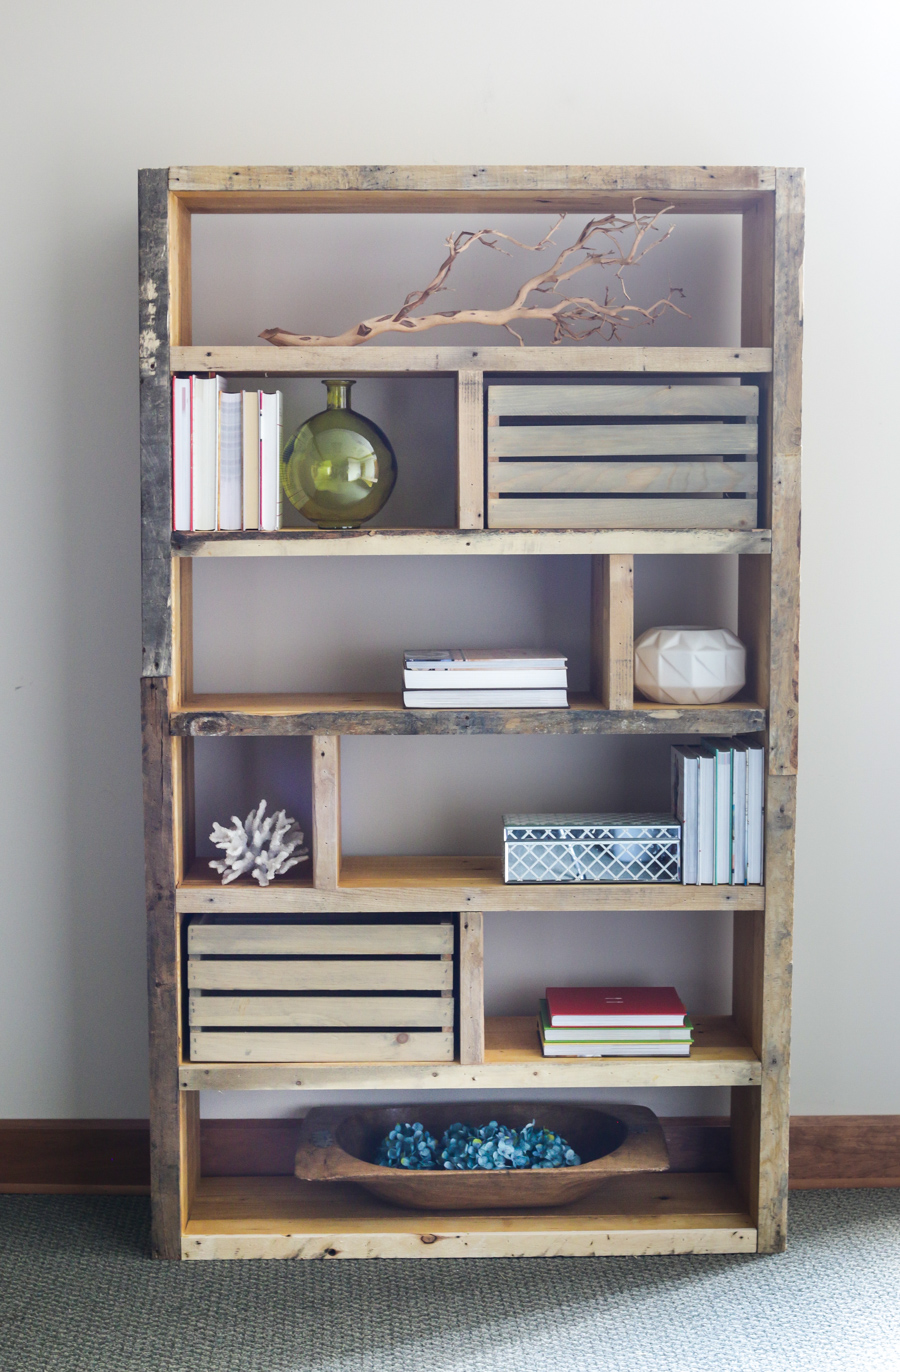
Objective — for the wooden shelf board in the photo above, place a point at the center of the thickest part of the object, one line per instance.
(469, 542)
(439, 884)
(720, 1056)
(217, 716)
(399, 360)
(282, 1217)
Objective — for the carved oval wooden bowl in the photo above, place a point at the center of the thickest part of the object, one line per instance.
(338, 1144)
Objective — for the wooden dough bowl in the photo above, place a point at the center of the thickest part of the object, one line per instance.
(337, 1144)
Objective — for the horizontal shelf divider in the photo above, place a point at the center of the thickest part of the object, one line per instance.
(387, 885)
(282, 1217)
(400, 360)
(468, 542)
(720, 1056)
(228, 715)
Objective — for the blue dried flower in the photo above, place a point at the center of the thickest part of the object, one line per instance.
(494, 1147)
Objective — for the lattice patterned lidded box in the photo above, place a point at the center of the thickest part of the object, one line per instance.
(619, 847)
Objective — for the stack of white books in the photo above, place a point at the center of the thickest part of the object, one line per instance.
(484, 678)
(719, 796)
(226, 456)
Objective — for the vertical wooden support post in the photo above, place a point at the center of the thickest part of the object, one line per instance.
(470, 450)
(326, 798)
(471, 987)
(180, 316)
(612, 630)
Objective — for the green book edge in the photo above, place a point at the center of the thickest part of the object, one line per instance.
(544, 1020)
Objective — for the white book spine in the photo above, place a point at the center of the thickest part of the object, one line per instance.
(181, 453)
(706, 829)
(270, 409)
(739, 815)
(230, 445)
(250, 458)
(483, 680)
(685, 805)
(204, 450)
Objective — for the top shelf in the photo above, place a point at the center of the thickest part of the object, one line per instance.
(414, 361)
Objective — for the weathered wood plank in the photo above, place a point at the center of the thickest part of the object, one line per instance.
(156, 423)
(320, 974)
(322, 1012)
(606, 512)
(394, 885)
(471, 987)
(622, 440)
(522, 400)
(398, 360)
(300, 1047)
(470, 450)
(306, 940)
(220, 716)
(612, 631)
(469, 542)
(168, 1112)
(621, 478)
(326, 797)
(786, 415)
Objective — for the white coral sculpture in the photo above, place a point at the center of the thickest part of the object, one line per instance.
(264, 848)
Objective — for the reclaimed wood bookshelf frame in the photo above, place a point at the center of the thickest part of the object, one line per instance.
(744, 1211)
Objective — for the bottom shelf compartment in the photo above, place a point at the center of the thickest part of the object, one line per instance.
(282, 1217)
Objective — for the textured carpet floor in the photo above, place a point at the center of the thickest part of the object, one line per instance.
(78, 1293)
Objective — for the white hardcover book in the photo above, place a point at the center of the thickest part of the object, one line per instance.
(721, 749)
(485, 700)
(706, 818)
(270, 423)
(484, 680)
(250, 458)
(686, 807)
(756, 800)
(204, 450)
(739, 813)
(181, 452)
(482, 659)
(230, 454)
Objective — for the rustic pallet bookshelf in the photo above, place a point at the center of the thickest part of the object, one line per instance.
(749, 1051)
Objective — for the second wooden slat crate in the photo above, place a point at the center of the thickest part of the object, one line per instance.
(660, 457)
(300, 992)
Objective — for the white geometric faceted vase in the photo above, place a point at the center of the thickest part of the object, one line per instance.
(685, 666)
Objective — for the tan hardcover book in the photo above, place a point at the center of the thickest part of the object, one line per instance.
(250, 430)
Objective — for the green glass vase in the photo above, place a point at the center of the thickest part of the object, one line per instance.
(338, 469)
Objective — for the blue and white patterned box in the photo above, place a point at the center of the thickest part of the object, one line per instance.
(591, 848)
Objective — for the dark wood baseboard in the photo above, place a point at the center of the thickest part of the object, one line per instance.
(112, 1157)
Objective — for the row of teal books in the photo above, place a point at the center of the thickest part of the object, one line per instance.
(614, 1021)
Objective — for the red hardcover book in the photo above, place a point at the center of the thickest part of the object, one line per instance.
(626, 1006)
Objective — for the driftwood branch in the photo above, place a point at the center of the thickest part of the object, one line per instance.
(600, 243)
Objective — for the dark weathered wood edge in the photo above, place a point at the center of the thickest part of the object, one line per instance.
(162, 970)
(156, 422)
(201, 723)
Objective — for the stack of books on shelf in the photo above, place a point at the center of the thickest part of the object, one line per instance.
(226, 456)
(719, 796)
(484, 678)
(614, 1022)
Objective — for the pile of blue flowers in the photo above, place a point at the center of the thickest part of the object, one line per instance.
(463, 1148)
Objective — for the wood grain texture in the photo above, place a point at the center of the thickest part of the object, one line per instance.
(86, 1157)
(319, 974)
(220, 716)
(470, 450)
(392, 885)
(641, 1213)
(785, 482)
(621, 478)
(622, 440)
(326, 798)
(612, 630)
(314, 1046)
(845, 1151)
(156, 422)
(469, 542)
(512, 1060)
(606, 512)
(471, 987)
(308, 940)
(398, 360)
(180, 293)
(321, 1012)
(609, 400)
(167, 1105)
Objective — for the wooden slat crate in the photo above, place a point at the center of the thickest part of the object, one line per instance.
(650, 457)
(300, 992)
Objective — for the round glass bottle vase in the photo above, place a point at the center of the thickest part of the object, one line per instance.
(338, 469)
